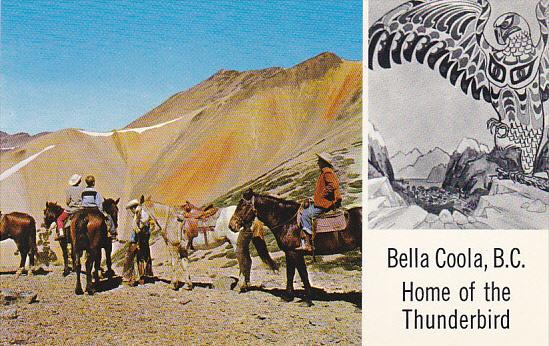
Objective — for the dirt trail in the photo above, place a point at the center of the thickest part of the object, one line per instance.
(156, 314)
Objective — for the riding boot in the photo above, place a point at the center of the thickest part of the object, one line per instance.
(306, 242)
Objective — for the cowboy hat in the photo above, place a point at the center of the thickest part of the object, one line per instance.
(133, 203)
(75, 179)
(325, 157)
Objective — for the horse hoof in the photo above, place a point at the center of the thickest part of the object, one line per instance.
(307, 304)
(90, 291)
(66, 272)
(18, 273)
(287, 299)
(78, 292)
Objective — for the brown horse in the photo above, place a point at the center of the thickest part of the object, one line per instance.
(51, 213)
(21, 228)
(89, 233)
(280, 216)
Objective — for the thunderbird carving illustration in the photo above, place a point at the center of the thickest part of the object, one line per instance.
(449, 37)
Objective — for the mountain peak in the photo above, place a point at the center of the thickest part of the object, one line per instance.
(435, 149)
(320, 61)
(471, 143)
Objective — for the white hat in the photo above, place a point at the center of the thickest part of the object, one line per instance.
(133, 203)
(75, 179)
(325, 157)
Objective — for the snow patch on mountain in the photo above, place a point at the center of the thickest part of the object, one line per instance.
(136, 129)
(13, 169)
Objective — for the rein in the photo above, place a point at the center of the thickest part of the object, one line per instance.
(280, 224)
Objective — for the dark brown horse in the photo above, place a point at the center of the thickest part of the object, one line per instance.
(51, 213)
(21, 228)
(281, 218)
(89, 233)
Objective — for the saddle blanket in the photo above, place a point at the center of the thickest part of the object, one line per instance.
(333, 221)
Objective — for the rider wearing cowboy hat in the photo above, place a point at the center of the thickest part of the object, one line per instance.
(142, 224)
(327, 196)
(74, 199)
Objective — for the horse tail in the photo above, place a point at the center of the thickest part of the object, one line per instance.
(355, 219)
(33, 249)
(263, 253)
(82, 240)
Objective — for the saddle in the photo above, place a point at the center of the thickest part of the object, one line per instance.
(331, 221)
(198, 221)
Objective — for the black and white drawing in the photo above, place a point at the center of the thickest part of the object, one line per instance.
(473, 186)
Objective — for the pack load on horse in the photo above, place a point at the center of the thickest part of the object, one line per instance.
(177, 240)
(21, 228)
(91, 198)
(143, 224)
(197, 222)
(295, 226)
(74, 200)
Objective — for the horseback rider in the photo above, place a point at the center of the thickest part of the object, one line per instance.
(91, 198)
(143, 224)
(74, 200)
(327, 197)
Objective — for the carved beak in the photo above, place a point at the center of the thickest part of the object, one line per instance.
(499, 36)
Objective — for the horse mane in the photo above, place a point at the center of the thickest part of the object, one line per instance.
(55, 207)
(109, 201)
(285, 202)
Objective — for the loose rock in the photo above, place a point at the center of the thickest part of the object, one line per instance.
(9, 314)
(445, 216)
(224, 283)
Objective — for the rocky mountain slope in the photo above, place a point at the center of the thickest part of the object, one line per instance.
(10, 142)
(498, 203)
(379, 164)
(227, 131)
(472, 166)
(437, 173)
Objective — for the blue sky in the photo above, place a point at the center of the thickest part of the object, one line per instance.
(98, 65)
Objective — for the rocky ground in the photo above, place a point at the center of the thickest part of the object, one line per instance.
(156, 314)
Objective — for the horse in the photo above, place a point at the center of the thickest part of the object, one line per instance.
(177, 243)
(21, 228)
(89, 233)
(51, 213)
(280, 216)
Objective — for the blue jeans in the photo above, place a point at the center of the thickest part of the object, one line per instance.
(133, 235)
(307, 217)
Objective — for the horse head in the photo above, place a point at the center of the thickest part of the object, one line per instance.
(51, 213)
(245, 212)
(110, 206)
